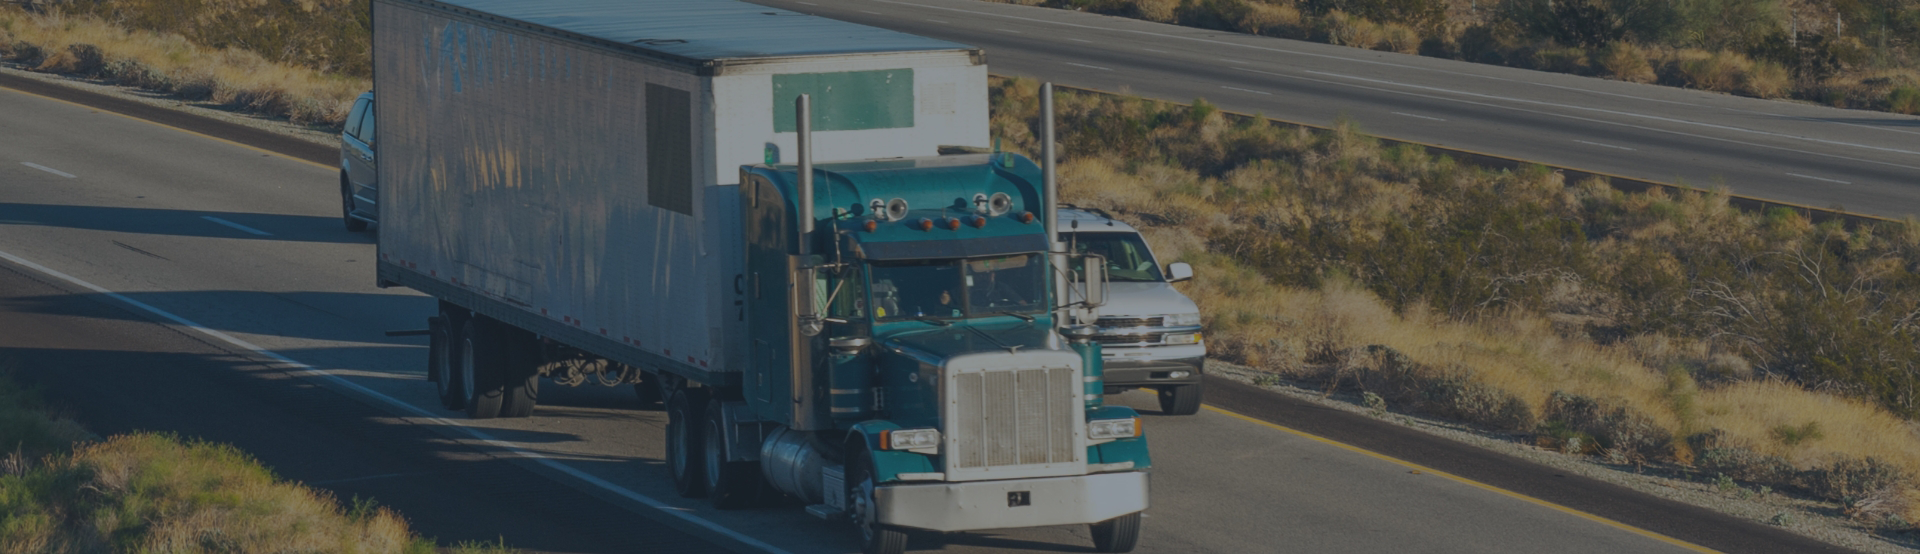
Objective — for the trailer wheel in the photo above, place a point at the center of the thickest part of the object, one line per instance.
(875, 537)
(520, 388)
(1180, 399)
(442, 361)
(480, 367)
(683, 442)
(354, 225)
(1119, 534)
(730, 485)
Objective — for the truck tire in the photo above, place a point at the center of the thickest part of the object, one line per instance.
(480, 367)
(354, 224)
(1180, 399)
(730, 485)
(1119, 534)
(875, 537)
(684, 447)
(520, 390)
(442, 361)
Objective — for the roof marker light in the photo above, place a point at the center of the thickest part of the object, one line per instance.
(978, 221)
(870, 225)
(1026, 217)
(952, 224)
(924, 224)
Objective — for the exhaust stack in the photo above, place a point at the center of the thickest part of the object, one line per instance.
(803, 124)
(1051, 185)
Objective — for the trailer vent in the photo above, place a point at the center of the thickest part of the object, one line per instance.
(1019, 417)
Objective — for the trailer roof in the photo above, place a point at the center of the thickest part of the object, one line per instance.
(705, 30)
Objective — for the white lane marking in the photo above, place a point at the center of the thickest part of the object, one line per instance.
(48, 169)
(1358, 60)
(236, 226)
(1661, 119)
(1080, 40)
(1416, 116)
(1089, 66)
(1247, 90)
(1605, 145)
(1010, 31)
(874, 13)
(937, 21)
(416, 411)
(1821, 179)
(1234, 61)
(1154, 51)
(809, 3)
(1586, 119)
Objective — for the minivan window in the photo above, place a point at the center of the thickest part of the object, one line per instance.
(1127, 257)
(366, 127)
(353, 117)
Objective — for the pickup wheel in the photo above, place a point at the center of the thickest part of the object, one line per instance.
(1180, 399)
(684, 447)
(481, 359)
(730, 485)
(875, 537)
(354, 224)
(442, 359)
(1119, 534)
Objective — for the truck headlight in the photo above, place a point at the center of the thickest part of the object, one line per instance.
(909, 439)
(1182, 320)
(1181, 338)
(1105, 429)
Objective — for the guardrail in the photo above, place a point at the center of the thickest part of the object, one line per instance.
(1577, 175)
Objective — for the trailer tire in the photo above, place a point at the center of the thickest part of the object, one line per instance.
(1180, 399)
(520, 390)
(1119, 534)
(730, 485)
(480, 367)
(875, 537)
(683, 442)
(441, 364)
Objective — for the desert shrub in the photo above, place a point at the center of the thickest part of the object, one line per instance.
(1623, 434)
(1626, 62)
(1904, 99)
(1716, 71)
(1766, 80)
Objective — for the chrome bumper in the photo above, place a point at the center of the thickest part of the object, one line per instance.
(995, 504)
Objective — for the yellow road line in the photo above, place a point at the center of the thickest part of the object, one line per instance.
(1504, 492)
(159, 124)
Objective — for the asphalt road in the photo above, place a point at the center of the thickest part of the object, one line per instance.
(1865, 162)
(170, 281)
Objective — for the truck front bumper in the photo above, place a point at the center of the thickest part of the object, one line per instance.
(1122, 372)
(998, 504)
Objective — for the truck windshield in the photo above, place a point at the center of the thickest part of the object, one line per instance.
(951, 289)
(1127, 257)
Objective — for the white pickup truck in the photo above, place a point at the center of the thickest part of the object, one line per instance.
(1149, 333)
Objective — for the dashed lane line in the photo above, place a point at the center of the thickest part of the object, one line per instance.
(48, 169)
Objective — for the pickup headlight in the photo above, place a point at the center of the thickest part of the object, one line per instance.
(1181, 338)
(1107, 429)
(909, 439)
(1182, 320)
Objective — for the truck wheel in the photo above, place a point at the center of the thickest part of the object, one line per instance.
(1119, 534)
(480, 371)
(730, 485)
(442, 358)
(683, 442)
(1180, 400)
(354, 225)
(875, 538)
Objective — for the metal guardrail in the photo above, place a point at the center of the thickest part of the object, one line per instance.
(1576, 175)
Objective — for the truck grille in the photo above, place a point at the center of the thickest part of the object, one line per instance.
(1013, 417)
(1136, 338)
(1124, 322)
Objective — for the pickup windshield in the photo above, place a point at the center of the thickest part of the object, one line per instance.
(1127, 257)
(958, 289)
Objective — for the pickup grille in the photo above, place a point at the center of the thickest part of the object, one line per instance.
(1124, 322)
(1013, 418)
(1136, 338)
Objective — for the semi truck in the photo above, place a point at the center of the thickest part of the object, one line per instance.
(628, 190)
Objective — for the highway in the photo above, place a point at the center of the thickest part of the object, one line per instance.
(1864, 162)
(159, 279)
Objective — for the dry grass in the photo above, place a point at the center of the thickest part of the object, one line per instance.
(1332, 259)
(168, 63)
(1627, 62)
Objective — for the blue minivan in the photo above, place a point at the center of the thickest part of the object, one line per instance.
(359, 193)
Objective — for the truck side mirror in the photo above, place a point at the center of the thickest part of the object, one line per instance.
(1096, 279)
(808, 315)
(1179, 271)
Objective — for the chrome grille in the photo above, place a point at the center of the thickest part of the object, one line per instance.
(1013, 417)
(1136, 338)
(1122, 322)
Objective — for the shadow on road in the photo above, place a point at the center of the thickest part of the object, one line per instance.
(185, 223)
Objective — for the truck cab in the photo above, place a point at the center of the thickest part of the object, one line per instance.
(1148, 331)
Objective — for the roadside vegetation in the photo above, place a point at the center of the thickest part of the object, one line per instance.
(1846, 53)
(1647, 330)
(64, 490)
(300, 61)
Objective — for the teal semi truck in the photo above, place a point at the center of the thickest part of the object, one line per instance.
(625, 192)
